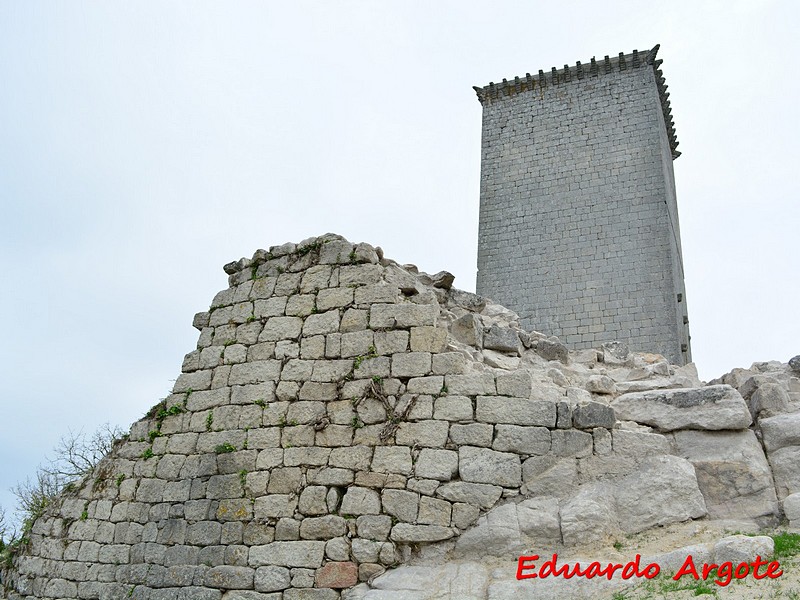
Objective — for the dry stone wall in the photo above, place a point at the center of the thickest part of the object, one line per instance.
(343, 415)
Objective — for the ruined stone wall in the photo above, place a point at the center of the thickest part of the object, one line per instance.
(343, 414)
(578, 224)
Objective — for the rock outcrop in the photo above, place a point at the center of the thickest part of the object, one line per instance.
(343, 414)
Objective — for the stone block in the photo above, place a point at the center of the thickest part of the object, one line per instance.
(601, 438)
(470, 384)
(335, 252)
(249, 394)
(230, 577)
(516, 384)
(391, 342)
(316, 390)
(374, 527)
(331, 476)
(360, 274)
(425, 385)
(338, 549)
(284, 481)
(204, 400)
(354, 457)
(441, 465)
(502, 339)
(434, 512)
(428, 339)
(415, 534)
(338, 575)
(254, 372)
(360, 501)
(521, 440)
(357, 343)
(429, 434)
(481, 465)
(768, 400)
(331, 370)
(388, 316)
(392, 459)
(306, 554)
(411, 364)
(311, 348)
(334, 298)
(304, 412)
(552, 349)
(378, 293)
(321, 323)
(286, 530)
(271, 579)
(473, 434)
(353, 320)
(515, 411)
(400, 504)
(196, 381)
(365, 551)
(334, 435)
(297, 370)
(322, 528)
(270, 307)
(293, 457)
(274, 506)
(281, 328)
(639, 443)
(468, 329)
(448, 363)
(593, 414)
(464, 515)
(313, 500)
(300, 305)
(601, 384)
(571, 443)
(453, 408)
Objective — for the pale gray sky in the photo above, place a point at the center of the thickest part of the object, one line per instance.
(145, 144)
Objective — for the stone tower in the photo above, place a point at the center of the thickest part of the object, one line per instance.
(578, 217)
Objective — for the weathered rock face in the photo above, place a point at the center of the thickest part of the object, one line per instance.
(342, 413)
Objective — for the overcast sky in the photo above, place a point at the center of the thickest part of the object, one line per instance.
(145, 144)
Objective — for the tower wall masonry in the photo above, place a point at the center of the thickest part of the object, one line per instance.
(578, 226)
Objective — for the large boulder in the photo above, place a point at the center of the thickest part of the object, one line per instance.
(786, 470)
(780, 431)
(743, 548)
(768, 400)
(732, 472)
(791, 509)
(712, 408)
(664, 490)
(511, 528)
(590, 515)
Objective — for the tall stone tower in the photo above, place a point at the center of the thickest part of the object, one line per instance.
(578, 218)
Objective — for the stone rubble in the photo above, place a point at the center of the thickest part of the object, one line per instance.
(344, 415)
